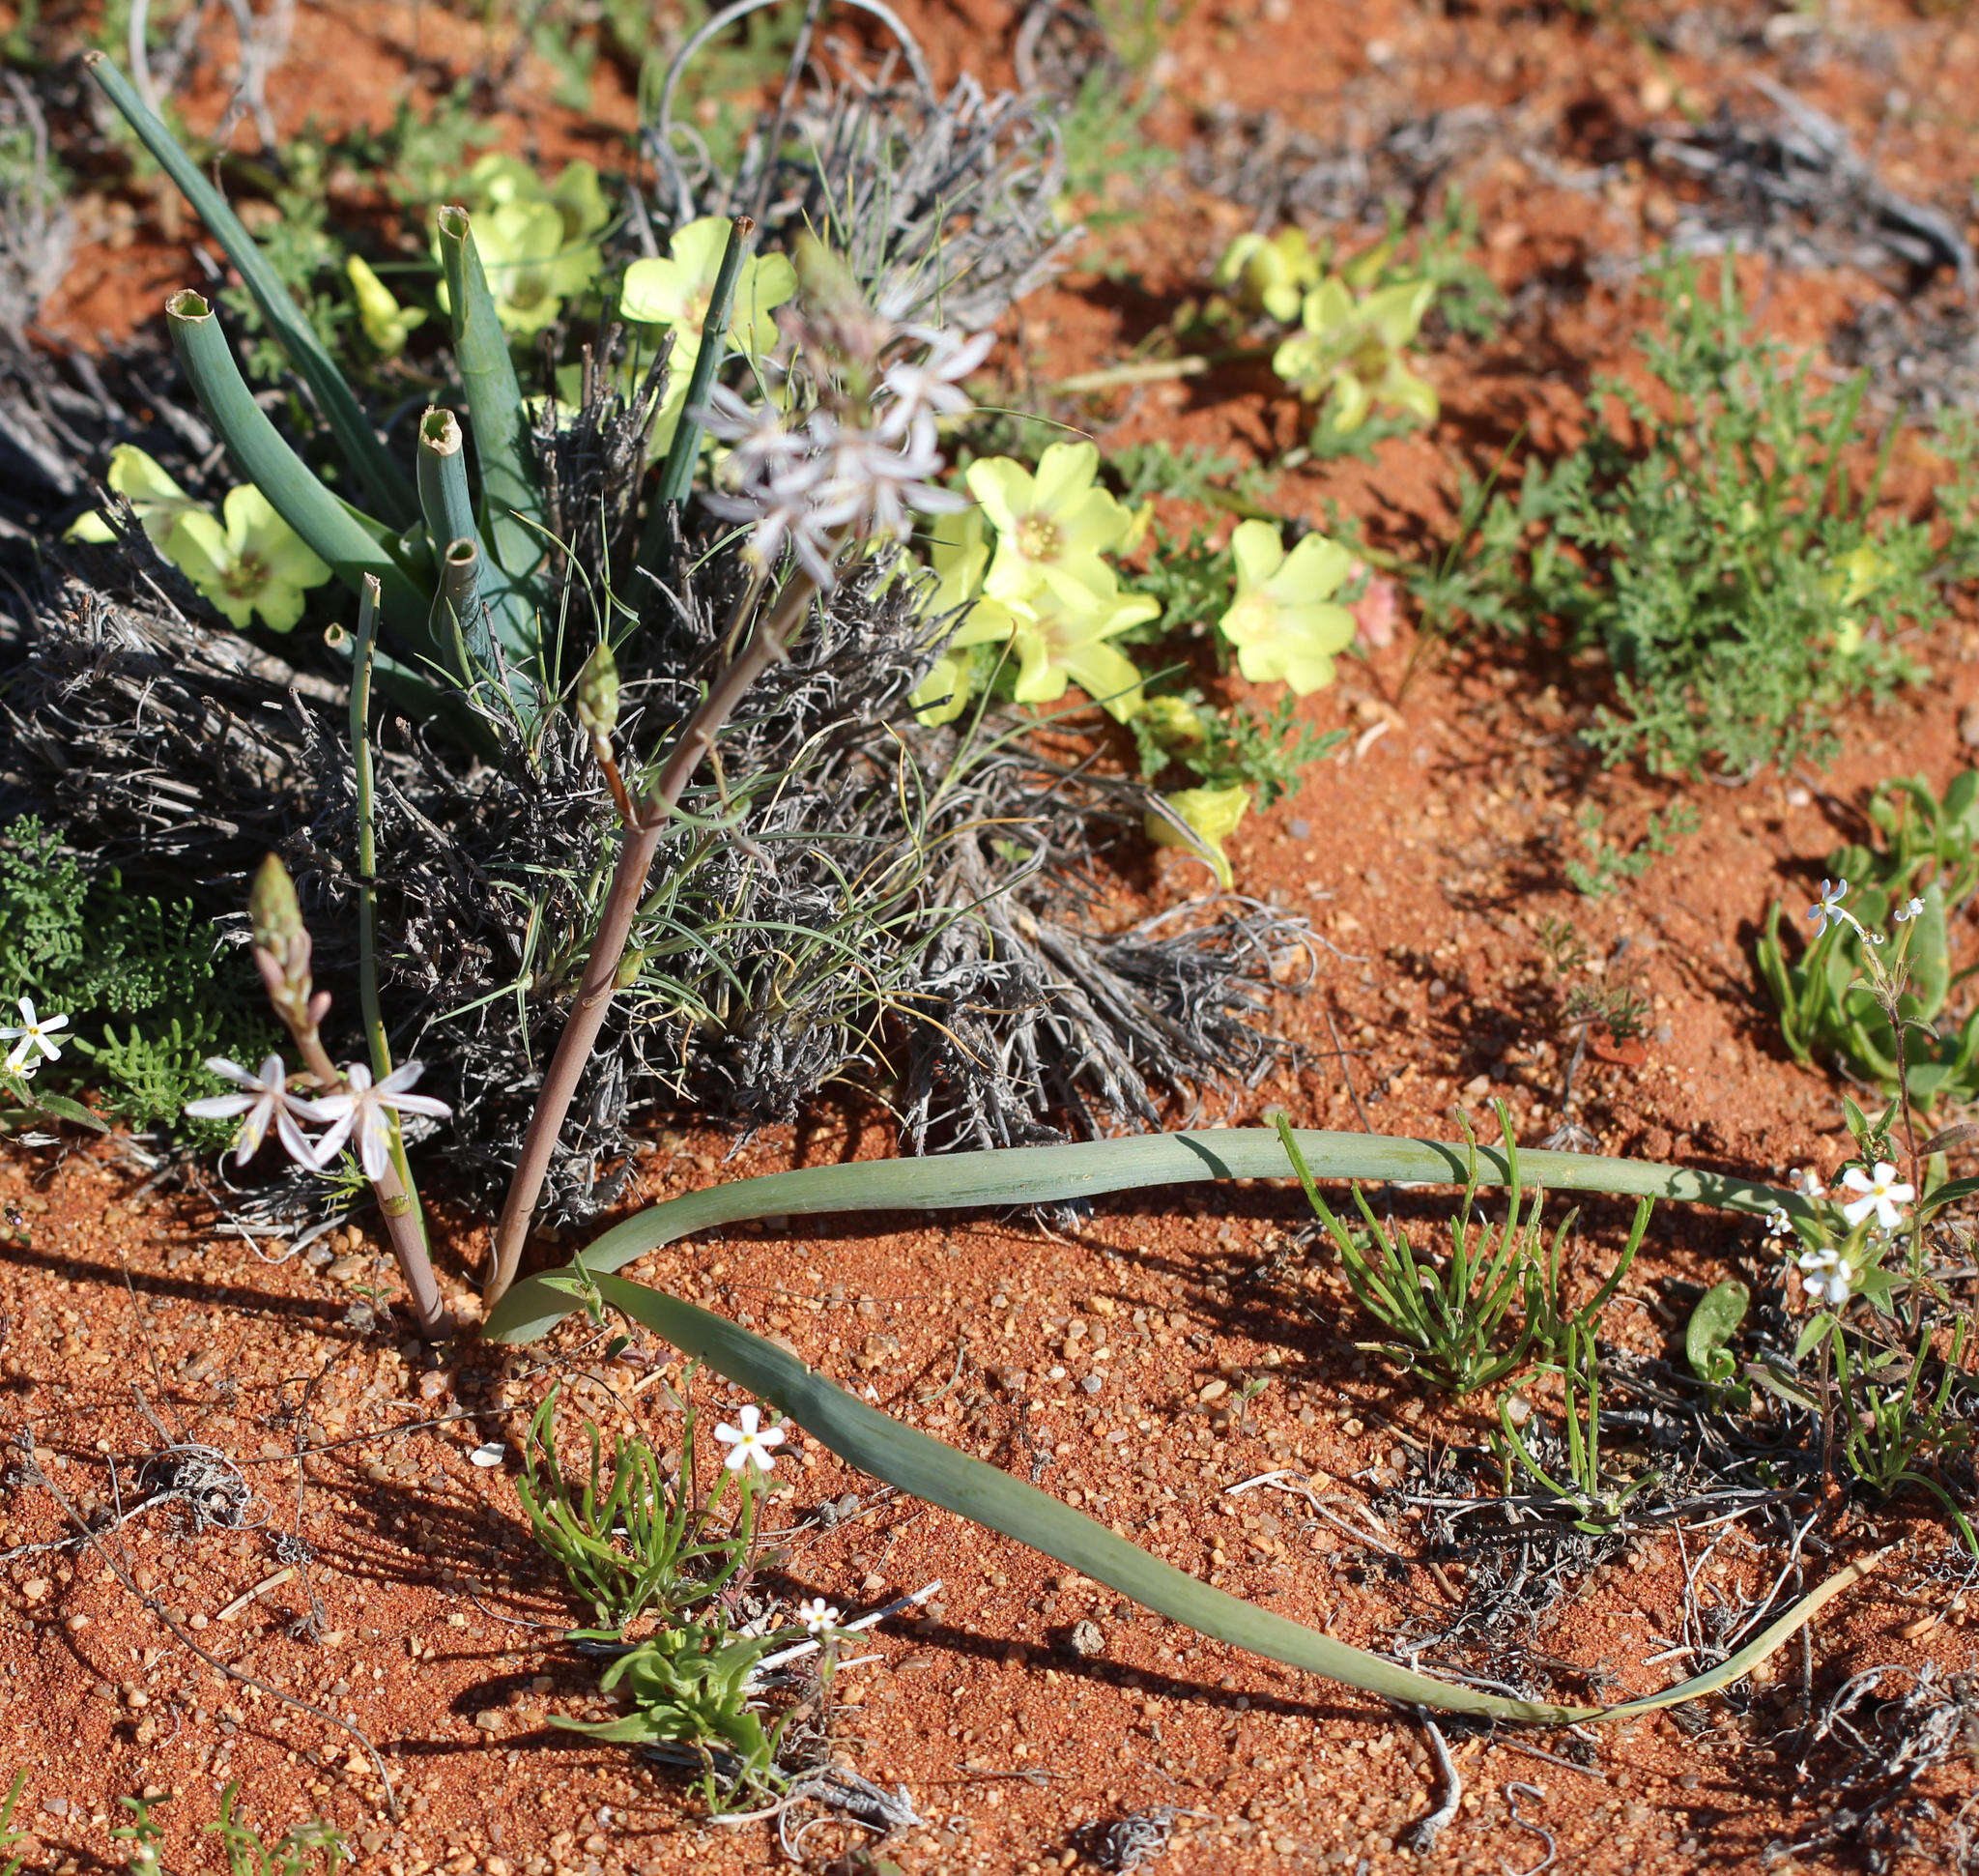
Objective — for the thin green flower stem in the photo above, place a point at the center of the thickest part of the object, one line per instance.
(768, 643)
(677, 474)
(399, 1198)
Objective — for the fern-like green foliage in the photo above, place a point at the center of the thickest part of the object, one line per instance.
(1712, 547)
(147, 994)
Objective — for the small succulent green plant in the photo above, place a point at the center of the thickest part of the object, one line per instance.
(1708, 1334)
(1890, 1422)
(691, 1685)
(1914, 880)
(630, 1537)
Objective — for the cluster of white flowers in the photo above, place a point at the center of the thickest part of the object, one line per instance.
(29, 1039)
(359, 1111)
(844, 473)
(1826, 1274)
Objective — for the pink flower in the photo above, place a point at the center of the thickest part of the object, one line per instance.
(1376, 610)
(267, 1100)
(367, 1110)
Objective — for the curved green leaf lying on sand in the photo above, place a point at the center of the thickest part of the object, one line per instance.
(916, 1463)
(1047, 1176)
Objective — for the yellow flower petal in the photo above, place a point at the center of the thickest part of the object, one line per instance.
(1207, 817)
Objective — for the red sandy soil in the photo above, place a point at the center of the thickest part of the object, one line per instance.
(1429, 856)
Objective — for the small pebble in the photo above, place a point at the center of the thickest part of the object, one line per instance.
(491, 1454)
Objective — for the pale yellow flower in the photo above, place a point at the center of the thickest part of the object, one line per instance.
(1280, 621)
(1200, 820)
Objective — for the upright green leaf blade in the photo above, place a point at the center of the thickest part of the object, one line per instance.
(512, 530)
(292, 489)
(359, 444)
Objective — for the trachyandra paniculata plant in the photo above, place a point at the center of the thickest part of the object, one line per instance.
(833, 463)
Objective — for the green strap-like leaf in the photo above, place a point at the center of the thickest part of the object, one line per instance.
(512, 529)
(368, 457)
(1044, 1176)
(937, 1473)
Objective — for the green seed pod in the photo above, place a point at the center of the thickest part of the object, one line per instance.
(627, 973)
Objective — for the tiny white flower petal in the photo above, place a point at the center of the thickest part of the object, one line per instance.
(219, 1106)
(491, 1454)
(1856, 1179)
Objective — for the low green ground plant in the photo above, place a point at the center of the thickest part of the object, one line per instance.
(147, 993)
(631, 1537)
(246, 1851)
(1843, 1000)
(1608, 866)
(1451, 1321)
(1710, 538)
(1592, 1497)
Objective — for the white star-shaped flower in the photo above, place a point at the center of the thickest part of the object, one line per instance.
(749, 1444)
(265, 1099)
(1877, 1190)
(1908, 912)
(1827, 1277)
(817, 1615)
(1828, 909)
(364, 1111)
(1778, 1224)
(30, 1037)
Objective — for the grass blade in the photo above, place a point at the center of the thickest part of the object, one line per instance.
(916, 1463)
(359, 444)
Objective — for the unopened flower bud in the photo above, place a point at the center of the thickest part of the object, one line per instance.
(629, 966)
(839, 316)
(597, 699)
(277, 919)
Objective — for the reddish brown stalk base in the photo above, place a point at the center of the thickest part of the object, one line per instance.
(647, 821)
